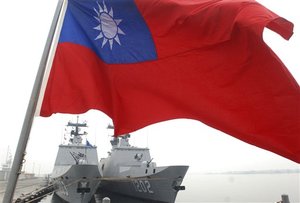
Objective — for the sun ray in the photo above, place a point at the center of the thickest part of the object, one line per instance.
(111, 13)
(98, 19)
(118, 21)
(104, 41)
(111, 42)
(100, 8)
(120, 31)
(98, 27)
(117, 39)
(99, 36)
(105, 8)
(96, 12)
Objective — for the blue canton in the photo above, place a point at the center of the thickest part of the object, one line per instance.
(126, 39)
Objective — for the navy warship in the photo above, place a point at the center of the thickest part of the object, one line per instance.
(76, 174)
(131, 171)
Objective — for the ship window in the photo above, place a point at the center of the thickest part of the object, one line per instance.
(153, 170)
(146, 171)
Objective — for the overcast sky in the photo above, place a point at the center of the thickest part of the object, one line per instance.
(24, 29)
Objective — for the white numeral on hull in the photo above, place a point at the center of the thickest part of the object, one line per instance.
(142, 186)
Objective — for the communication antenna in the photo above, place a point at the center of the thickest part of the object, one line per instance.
(110, 127)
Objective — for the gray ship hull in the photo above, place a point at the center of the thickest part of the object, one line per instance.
(76, 183)
(162, 186)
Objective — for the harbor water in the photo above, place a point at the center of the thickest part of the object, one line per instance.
(240, 188)
(237, 188)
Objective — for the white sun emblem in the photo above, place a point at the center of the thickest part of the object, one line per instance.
(108, 26)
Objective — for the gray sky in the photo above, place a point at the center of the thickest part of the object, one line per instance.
(24, 29)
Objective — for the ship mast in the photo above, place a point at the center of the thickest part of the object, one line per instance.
(75, 134)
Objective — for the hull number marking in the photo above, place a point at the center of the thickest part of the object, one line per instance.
(142, 186)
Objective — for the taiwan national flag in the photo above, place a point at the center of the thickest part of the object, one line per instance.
(146, 61)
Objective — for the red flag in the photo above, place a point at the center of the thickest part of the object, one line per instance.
(143, 62)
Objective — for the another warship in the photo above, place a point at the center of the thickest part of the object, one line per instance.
(130, 171)
(76, 174)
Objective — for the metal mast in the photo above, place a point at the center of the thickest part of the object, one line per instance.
(28, 120)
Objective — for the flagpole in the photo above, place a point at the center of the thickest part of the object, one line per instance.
(28, 120)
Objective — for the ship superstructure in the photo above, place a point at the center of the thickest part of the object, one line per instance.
(131, 171)
(76, 174)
